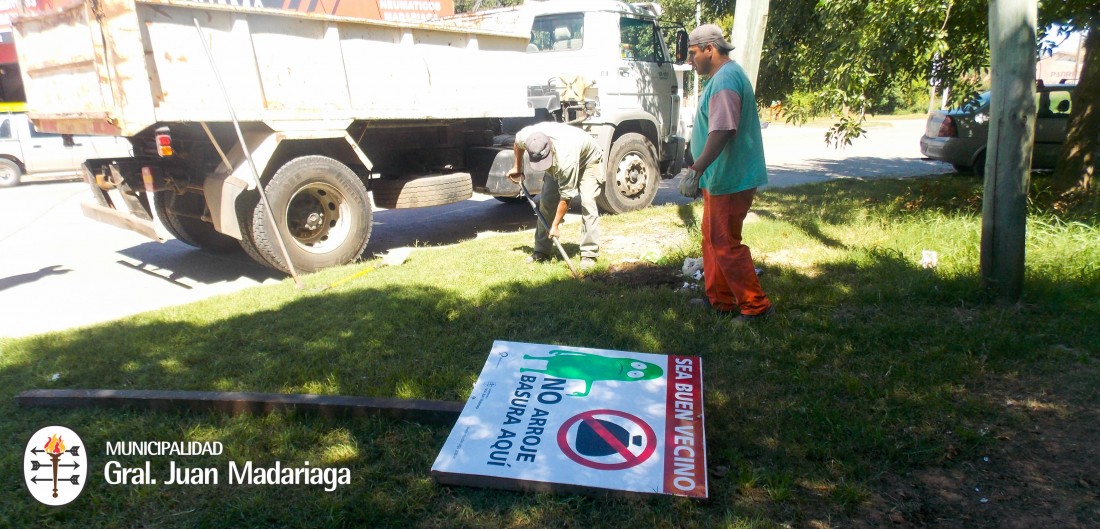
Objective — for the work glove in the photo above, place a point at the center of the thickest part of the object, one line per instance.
(689, 184)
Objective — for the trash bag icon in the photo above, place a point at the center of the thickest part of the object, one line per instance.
(589, 442)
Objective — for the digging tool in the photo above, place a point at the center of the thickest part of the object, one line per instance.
(546, 226)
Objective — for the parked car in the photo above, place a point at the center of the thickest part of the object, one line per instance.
(958, 136)
(25, 152)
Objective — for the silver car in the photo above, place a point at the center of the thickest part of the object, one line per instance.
(958, 136)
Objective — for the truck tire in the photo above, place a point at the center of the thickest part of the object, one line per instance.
(10, 173)
(424, 191)
(323, 213)
(248, 244)
(177, 213)
(632, 175)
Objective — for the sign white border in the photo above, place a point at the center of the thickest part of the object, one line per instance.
(560, 418)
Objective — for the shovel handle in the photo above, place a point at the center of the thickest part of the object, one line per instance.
(546, 226)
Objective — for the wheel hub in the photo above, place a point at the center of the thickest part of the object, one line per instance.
(314, 221)
(315, 217)
(631, 176)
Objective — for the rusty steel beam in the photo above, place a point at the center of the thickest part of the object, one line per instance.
(236, 403)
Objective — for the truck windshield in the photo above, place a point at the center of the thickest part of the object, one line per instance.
(557, 33)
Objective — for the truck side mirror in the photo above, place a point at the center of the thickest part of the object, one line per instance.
(681, 45)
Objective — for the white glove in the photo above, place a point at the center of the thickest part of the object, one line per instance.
(689, 183)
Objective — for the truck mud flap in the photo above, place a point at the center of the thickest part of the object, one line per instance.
(674, 145)
(491, 165)
(106, 189)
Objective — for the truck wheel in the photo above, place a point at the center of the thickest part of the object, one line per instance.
(323, 213)
(436, 190)
(632, 175)
(178, 212)
(10, 174)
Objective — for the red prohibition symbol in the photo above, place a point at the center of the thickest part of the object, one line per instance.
(589, 418)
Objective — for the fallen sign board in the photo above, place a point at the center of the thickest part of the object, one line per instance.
(574, 419)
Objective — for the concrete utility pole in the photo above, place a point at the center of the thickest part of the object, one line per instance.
(695, 76)
(1008, 152)
(750, 19)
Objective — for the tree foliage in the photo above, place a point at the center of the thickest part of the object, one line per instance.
(844, 57)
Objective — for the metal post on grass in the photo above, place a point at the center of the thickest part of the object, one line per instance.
(248, 156)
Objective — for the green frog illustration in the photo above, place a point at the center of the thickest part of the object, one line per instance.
(590, 368)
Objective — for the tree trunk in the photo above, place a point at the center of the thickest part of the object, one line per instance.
(1077, 165)
(1011, 137)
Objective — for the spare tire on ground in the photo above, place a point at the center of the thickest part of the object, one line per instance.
(423, 191)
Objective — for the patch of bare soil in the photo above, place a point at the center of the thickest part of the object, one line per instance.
(1042, 472)
(637, 274)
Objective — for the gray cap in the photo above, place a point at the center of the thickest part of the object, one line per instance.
(708, 34)
(540, 151)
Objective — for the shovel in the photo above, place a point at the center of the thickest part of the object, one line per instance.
(546, 226)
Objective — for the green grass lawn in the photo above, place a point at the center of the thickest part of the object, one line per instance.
(876, 374)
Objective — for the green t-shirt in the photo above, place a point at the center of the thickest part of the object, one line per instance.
(727, 103)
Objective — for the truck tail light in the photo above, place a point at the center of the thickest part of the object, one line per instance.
(947, 128)
(164, 142)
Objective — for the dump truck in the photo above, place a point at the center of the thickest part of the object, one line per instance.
(604, 66)
(268, 129)
(219, 100)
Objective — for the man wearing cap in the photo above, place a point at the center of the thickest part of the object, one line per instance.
(573, 165)
(729, 157)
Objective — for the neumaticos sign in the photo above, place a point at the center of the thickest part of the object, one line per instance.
(547, 417)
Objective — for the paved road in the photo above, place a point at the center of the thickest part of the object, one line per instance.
(59, 270)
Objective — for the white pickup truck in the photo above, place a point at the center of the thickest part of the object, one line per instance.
(27, 153)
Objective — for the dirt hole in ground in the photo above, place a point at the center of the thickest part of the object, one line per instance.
(637, 274)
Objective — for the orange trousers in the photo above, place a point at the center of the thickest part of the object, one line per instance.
(728, 270)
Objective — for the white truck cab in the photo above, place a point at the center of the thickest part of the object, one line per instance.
(604, 66)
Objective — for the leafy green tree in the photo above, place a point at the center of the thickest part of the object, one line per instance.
(1075, 175)
(845, 57)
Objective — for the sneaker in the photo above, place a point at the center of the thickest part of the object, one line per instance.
(756, 318)
(537, 257)
(588, 263)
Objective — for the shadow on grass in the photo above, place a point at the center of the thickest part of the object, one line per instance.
(869, 367)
